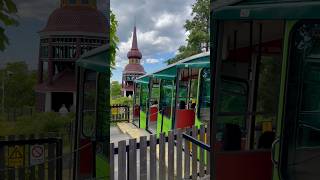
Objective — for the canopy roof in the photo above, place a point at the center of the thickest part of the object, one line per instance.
(267, 9)
(143, 79)
(196, 61)
(201, 60)
(95, 60)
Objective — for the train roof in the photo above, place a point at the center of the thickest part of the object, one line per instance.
(95, 60)
(266, 9)
(196, 61)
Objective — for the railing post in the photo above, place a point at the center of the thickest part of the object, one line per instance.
(59, 159)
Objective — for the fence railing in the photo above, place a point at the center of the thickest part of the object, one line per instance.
(168, 157)
(120, 113)
(31, 157)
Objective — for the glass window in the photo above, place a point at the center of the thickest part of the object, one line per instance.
(204, 99)
(167, 93)
(89, 103)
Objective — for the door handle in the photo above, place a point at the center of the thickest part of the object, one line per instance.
(273, 148)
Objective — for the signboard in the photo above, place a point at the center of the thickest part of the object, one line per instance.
(15, 156)
(36, 154)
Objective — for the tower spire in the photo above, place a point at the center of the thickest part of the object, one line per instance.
(134, 52)
(134, 38)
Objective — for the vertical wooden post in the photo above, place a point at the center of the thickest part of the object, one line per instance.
(153, 156)
(32, 169)
(143, 158)
(132, 159)
(187, 157)
(122, 156)
(171, 159)
(162, 158)
(21, 170)
(11, 172)
(41, 169)
(111, 162)
(179, 154)
(194, 154)
(51, 163)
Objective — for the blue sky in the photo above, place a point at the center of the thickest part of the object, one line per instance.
(160, 30)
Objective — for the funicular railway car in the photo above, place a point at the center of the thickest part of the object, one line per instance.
(265, 90)
(91, 130)
(163, 106)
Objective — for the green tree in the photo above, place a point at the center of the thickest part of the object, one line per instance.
(114, 39)
(8, 12)
(198, 28)
(115, 89)
(123, 101)
(19, 85)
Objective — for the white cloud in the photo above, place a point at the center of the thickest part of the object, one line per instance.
(159, 26)
(153, 61)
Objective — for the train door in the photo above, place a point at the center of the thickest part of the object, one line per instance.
(166, 105)
(245, 98)
(153, 105)
(144, 96)
(203, 107)
(91, 129)
(186, 97)
(300, 143)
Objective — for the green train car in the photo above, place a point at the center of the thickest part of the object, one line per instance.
(158, 95)
(91, 130)
(265, 90)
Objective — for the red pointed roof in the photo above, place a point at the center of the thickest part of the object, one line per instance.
(134, 52)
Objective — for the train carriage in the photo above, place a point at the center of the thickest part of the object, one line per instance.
(265, 89)
(91, 130)
(158, 97)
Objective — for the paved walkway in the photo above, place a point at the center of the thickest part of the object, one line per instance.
(132, 130)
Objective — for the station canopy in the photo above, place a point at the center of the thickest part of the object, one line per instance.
(143, 79)
(197, 61)
(266, 9)
(95, 60)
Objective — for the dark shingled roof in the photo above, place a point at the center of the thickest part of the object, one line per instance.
(77, 18)
(134, 68)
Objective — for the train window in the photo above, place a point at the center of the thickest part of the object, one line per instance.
(204, 99)
(143, 104)
(301, 135)
(248, 97)
(188, 87)
(232, 113)
(154, 106)
(309, 117)
(167, 91)
(89, 103)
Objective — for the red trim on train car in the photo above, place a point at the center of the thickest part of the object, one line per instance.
(86, 155)
(153, 114)
(244, 165)
(185, 118)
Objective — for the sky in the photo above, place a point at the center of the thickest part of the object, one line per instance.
(160, 30)
(24, 39)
